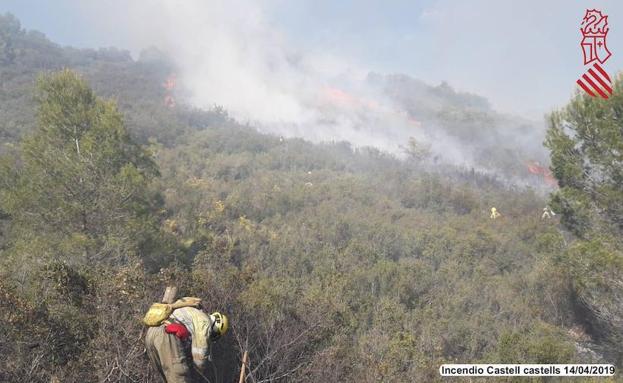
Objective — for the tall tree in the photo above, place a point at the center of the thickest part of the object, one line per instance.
(586, 143)
(9, 28)
(78, 187)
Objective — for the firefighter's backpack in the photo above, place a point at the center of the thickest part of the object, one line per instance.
(159, 312)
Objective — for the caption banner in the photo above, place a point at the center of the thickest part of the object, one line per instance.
(527, 370)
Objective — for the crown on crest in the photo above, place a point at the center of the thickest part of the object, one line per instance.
(594, 24)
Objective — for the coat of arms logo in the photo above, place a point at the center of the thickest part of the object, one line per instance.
(594, 27)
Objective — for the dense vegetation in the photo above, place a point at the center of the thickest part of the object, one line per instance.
(334, 263)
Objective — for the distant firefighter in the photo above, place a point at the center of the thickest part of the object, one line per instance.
(547, 213)
(494, 213)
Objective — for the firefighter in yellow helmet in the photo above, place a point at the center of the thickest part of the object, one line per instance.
(186, 334)
(494, 213)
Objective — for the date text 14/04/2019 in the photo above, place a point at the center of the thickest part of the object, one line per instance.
(527, 370)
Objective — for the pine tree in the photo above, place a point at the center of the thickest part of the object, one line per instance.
(78, 188)
(586, 143)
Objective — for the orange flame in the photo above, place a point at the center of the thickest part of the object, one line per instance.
(170, 82)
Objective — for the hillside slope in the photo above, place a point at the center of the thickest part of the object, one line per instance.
(334, 263)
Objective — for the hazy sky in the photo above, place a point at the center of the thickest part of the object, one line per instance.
(523, 55)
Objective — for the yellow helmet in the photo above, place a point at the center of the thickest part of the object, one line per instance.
(220, 324)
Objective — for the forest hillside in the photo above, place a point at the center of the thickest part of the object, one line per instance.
(334, 263)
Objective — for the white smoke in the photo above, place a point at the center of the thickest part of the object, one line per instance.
(229, 54)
